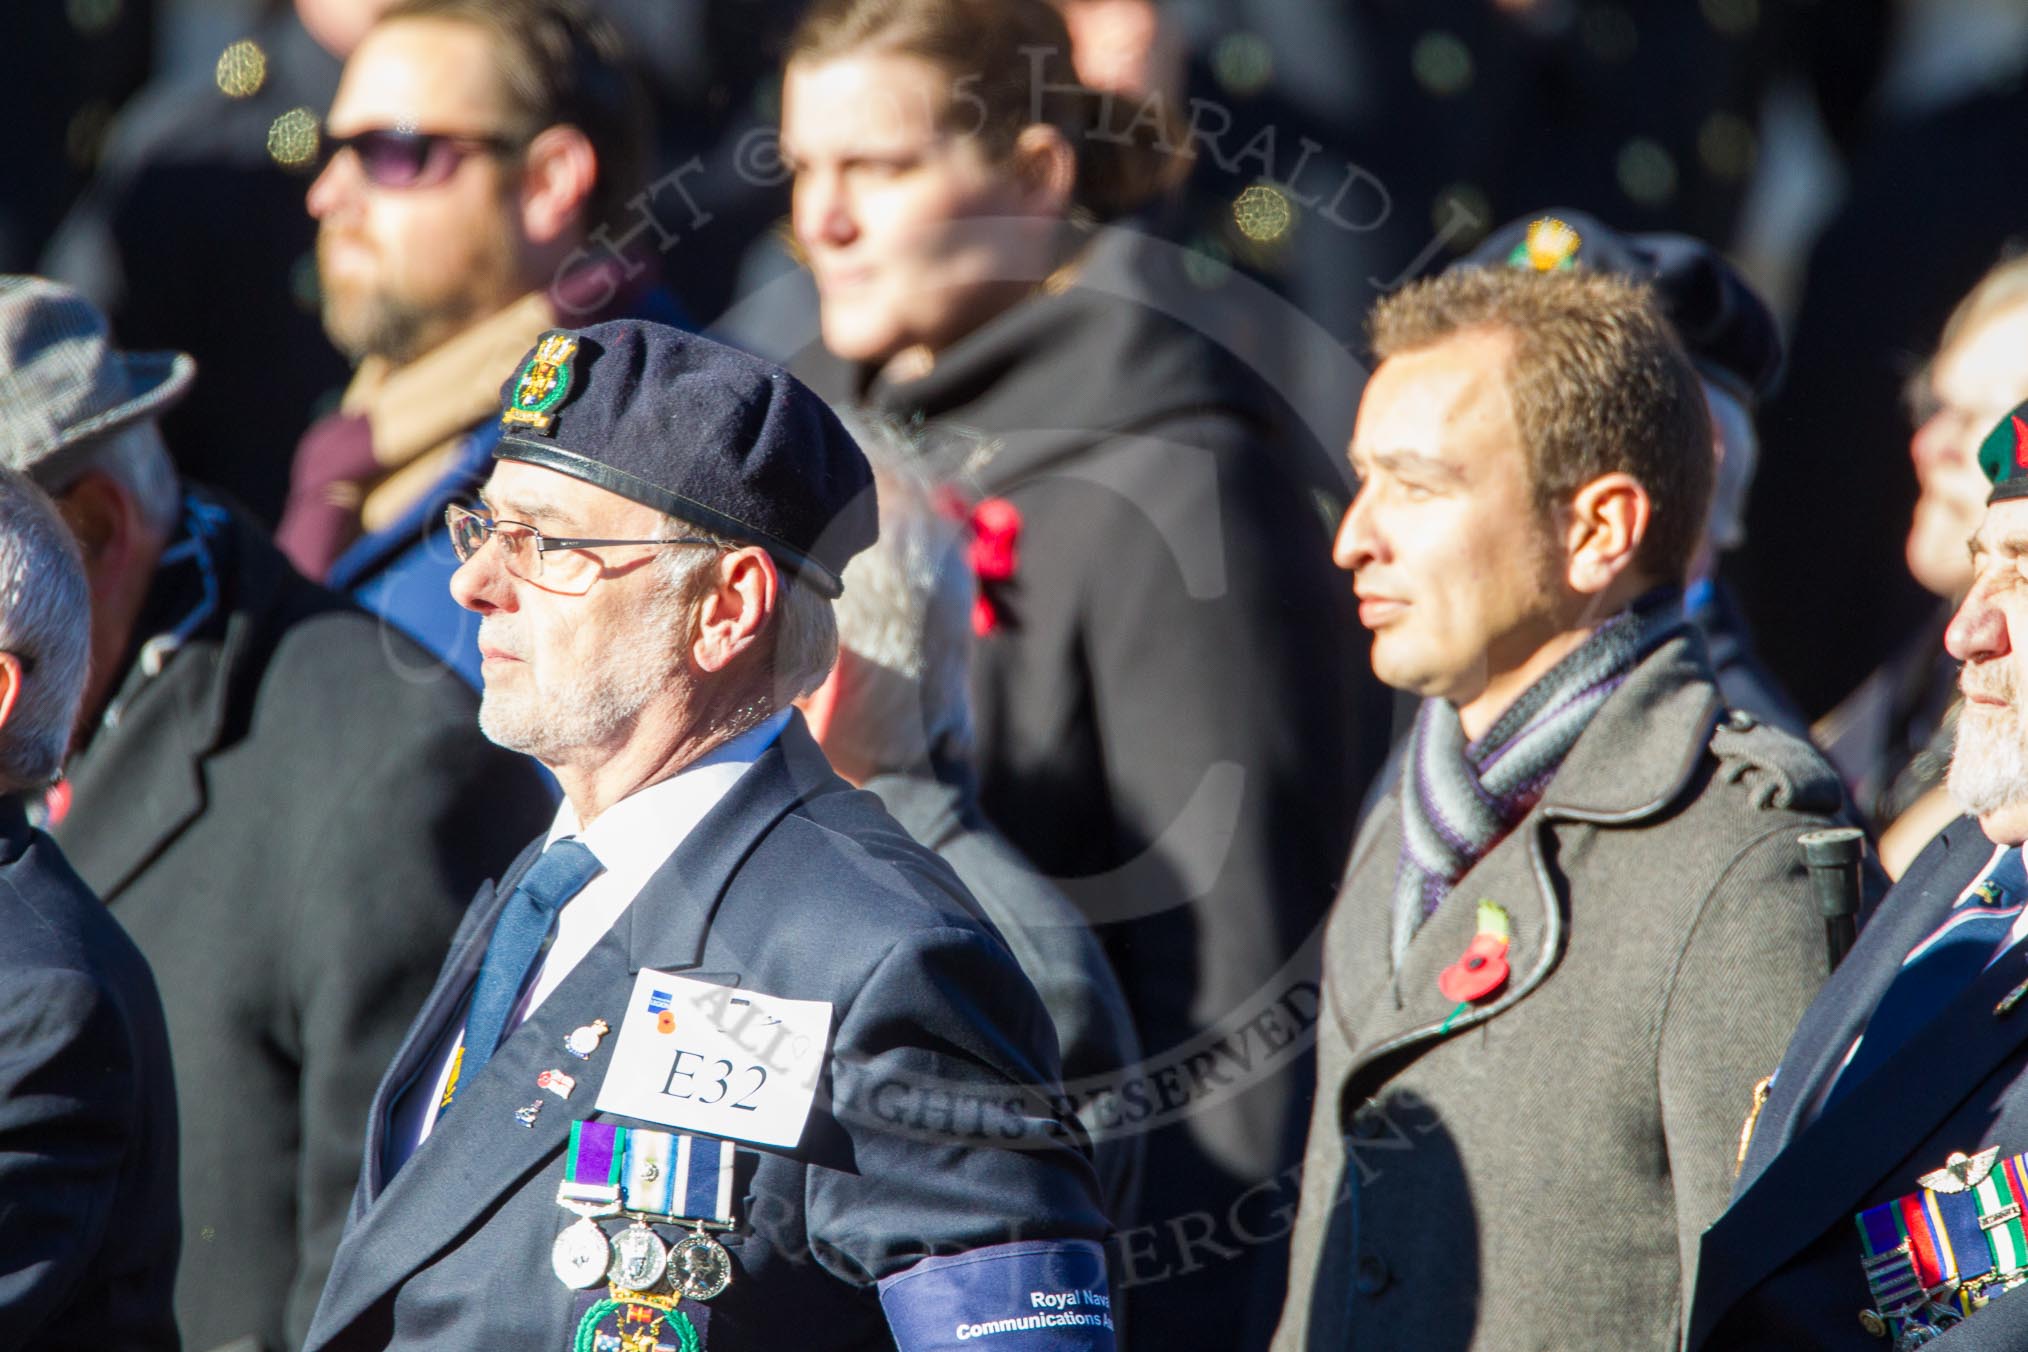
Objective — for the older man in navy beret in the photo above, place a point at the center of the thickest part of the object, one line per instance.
(726, 1060)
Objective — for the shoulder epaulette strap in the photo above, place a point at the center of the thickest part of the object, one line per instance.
(1780, 771)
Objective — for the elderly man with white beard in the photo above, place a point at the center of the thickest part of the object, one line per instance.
(726, 1059)
(1882, 1191)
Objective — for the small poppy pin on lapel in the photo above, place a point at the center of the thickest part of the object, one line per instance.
(1483, 968)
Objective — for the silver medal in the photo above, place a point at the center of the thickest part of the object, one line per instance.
(581, 1255)
(699, 1266)
(639, 1260)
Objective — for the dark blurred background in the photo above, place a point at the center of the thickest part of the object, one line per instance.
(1857, 158)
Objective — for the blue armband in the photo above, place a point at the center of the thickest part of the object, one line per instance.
(1034, 1296)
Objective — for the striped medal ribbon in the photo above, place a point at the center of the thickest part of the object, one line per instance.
(592, 1170)
(687, 1180)
(676, 1177)
(1937, 1254)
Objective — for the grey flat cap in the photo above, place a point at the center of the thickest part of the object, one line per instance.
(63, 383)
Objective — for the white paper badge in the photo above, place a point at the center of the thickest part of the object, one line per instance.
(709, 1058)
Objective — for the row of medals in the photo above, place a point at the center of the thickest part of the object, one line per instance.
(635, 1261)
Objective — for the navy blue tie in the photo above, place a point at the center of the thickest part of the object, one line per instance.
(1940, 966)
(518, 936)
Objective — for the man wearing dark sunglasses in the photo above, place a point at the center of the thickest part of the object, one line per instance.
(473, 154)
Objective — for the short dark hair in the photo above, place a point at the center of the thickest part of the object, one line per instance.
(560, 62)
(1599, 381)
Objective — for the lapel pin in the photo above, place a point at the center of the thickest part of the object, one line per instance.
(556, 1082)
(2011, 1000)
(526, 1116)
(1961, 1172)
(665, 1017)
(582, 1042)
(1483, 968)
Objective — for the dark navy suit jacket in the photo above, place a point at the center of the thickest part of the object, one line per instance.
(89, 1226)
(1780, 1269)
(796, 886)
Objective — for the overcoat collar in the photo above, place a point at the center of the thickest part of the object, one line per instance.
(1637, 756)
(477, 1152)
(1804, 1176)
(139, 780)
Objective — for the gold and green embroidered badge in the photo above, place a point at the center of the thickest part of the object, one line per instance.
(636, 1325)
(544, 383)
(1550, 245)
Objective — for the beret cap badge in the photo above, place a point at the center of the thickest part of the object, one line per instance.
(1727, 326)
(543, 384)
(1550, 244)
(699, 431)
(2003, 456)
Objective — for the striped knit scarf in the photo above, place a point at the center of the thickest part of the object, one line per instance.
(1458, 800)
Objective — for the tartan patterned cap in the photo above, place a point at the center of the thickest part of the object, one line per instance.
(2003, 456)
(63, 383)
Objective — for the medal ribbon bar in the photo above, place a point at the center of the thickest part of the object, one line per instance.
(1999, 1195)
(1954, 1217)
(1889, 1262)
(1932, 1257)
(592, 1173)
(678, 1177)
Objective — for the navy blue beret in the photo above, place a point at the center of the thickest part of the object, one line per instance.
(1722, 320)
(700, 431)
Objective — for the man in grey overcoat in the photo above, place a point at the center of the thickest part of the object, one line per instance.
(1581, 922)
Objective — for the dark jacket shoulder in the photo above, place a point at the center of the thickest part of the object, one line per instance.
(87, 1115)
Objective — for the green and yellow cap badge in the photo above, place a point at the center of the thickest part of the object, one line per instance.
(2003, 455)
(543, 385)
(1550, 245)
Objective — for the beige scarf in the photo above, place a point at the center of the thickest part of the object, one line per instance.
(419, 412)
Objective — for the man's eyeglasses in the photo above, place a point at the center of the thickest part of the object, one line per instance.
(526, 552)
(392, 157)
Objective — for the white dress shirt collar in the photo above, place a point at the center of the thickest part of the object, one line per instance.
(635, 836)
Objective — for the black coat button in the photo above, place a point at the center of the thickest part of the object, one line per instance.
(1370, 1275)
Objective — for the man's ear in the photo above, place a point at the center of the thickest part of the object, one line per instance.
(101, 518)
(558, 172)
(10, 685)
(1045, 167)
(1603, 529)
(734, 613)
